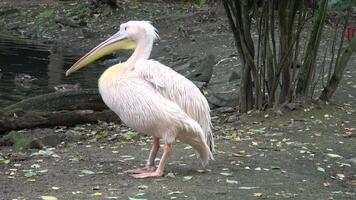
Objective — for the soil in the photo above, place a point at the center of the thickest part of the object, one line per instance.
(308, 153)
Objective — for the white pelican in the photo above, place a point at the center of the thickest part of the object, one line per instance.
(151, 97)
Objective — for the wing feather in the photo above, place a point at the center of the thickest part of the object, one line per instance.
(180, 90)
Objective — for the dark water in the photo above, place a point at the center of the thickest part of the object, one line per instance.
(46, 63)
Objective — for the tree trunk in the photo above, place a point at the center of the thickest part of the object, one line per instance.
(309, 64)
(335, 79)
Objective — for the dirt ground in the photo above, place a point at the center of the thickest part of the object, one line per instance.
(306, 154)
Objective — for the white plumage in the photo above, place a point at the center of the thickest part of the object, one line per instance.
(154, 99)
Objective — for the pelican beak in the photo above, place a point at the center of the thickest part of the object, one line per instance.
(114, 43)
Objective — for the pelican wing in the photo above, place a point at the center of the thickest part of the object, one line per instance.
(178, 89)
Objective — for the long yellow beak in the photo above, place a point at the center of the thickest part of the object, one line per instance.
(114, 43)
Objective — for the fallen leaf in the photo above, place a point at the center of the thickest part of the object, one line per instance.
(170, 175)
(96, 194)
(340, 176)
(48, 198)
(247, 188)
(142, 187)
(4, 162)
(30, 174)
(140, 194)
(326, 184)
(257, 194)
(88, 172)
(187, 178)
(42, 171)
(231, 181)
(226, 174)
(321, 169)
(332, 155)
(131, 198)
(175, 192)
(275, 167)
(35, 166)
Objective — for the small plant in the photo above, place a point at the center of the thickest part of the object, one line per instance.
(202, 2)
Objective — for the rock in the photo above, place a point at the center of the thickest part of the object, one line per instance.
(199, 84)
(203, 69)
(8, 11)
(234, 76)
(24, 78)
(224, 99)
(36, 144)
(67, 87)
(71, 136)
(232, 118)
(13, 27)
(221, 110)
(68, 22)
(352, 161)
(51, 140)
(87, 33)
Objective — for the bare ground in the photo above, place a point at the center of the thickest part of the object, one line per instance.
(305, 154)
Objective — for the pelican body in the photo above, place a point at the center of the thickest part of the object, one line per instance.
(151, 97)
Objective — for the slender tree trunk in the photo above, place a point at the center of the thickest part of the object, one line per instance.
(240, 22)
(335, 79)
(309, 65)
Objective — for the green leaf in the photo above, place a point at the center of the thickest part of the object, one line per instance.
(102, 134)
(130, 135)
(231, 181)
(187, 178)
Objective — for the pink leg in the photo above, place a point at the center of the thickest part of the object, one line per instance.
(150, 166)
(160, 170)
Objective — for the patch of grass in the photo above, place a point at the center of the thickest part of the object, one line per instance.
(81, 11)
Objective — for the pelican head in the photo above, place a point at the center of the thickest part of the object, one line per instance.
(128, 37)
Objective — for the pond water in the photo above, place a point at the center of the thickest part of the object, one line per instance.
(29, 68)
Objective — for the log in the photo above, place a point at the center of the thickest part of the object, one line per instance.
(34, 119)
(56, 109)
(68, 100)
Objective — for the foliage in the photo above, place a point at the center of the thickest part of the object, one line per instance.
(280, 66)
(202, 2)
(342, 5)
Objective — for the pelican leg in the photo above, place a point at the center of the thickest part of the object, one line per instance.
(150, 166)
(160, 170)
